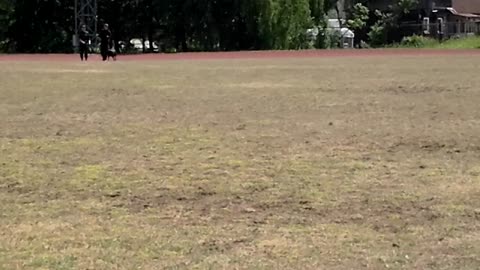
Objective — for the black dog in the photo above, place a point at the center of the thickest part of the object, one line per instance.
(112, 54)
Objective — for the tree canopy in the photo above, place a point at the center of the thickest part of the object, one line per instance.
(30, 26)
(188, 25)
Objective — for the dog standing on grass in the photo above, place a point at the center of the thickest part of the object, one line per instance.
(112, 53)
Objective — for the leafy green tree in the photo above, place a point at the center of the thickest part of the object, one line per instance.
(388, 22)
(291, 22)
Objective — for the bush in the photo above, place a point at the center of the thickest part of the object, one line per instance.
(364, 45)
(170, 50)
(417, 42)
(5, 46)
(377, 35)
(329, 39)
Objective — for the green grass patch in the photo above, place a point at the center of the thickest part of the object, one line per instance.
(461, 43)
(430, 43)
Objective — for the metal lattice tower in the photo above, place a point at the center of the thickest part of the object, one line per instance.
(86, 13)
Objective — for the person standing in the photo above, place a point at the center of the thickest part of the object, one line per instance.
(105, 39)
(84, 41)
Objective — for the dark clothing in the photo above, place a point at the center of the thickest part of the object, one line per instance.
(105, 40)
(83, 38)
(84, 52)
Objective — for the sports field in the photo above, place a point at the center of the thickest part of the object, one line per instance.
(256, 161)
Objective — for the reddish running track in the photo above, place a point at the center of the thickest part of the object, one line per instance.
(248, 55)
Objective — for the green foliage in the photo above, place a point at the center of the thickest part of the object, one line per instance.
(377, 34)
(333, 39)
(317, 11)
(389, 21)
(425, 42)
(359, 17)
(416, 41)
(379, 31)
(6, 20)
(265, 10)
(291, 22)
(405, 6)
(189, 25)
(462, 43)
(41, 26)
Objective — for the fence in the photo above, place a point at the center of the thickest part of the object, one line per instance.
(441, 30)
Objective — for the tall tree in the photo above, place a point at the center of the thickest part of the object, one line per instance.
(291, 22)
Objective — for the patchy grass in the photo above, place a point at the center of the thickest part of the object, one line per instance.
(426, 42)
(462, 43)
(362, 163)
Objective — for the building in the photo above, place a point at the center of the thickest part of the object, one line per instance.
(466, 6)
(428, 6)
(444, 18)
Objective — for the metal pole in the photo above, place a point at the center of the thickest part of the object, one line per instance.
(86, 14)
(95, 18)
(75, 36)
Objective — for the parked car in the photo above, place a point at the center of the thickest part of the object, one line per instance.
(138, 46)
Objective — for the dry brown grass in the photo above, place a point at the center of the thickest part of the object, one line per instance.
(364, 163)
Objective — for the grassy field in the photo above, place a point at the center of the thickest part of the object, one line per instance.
(334, 163)
(430, 43)
(463, 43)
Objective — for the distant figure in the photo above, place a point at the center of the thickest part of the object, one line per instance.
(105, 40)
(84, 40)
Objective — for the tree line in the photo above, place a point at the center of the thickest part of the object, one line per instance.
(189, 25)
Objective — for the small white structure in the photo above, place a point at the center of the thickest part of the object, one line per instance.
(137, 45)
(334, 24)
(343, 35)
(347, 37)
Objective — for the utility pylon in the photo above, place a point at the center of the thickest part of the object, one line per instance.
(86, 14)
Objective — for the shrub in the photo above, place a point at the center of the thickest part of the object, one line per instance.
(331, 39)
(417, 42)
(377, 34)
